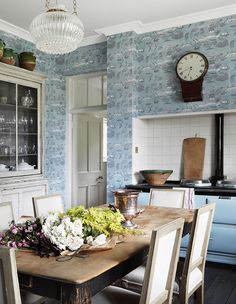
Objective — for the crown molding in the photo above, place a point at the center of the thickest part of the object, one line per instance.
(92, 40)
(140, 28)
(188, 19)
(15, 30)
(135, 26)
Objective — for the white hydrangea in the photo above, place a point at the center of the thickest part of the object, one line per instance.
(98, 241)
(64, 233)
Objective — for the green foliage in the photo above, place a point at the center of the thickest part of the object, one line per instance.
(98, 220)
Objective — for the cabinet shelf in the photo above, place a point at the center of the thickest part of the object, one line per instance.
(27, 108)
(25, 155)
(31, 134)
(7, 133)
(7, 105)
(8, 155)
(10, 106)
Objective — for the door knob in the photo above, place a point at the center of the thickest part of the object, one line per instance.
(99, 178)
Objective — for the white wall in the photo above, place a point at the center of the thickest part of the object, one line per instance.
(159, 143)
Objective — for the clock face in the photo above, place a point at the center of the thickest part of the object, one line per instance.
(191, 66)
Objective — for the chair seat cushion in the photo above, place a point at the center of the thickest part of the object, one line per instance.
(116, 295)
(134, 280)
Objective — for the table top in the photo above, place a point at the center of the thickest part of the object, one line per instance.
(80, 270)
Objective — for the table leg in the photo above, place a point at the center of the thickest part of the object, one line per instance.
(75, 294)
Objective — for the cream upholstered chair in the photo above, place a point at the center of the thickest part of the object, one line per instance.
(189, 197)
(6, 215)
(9, 285)
(192, 278)
(159, 274)
(47, 203)
(166, 198)
(162, 198)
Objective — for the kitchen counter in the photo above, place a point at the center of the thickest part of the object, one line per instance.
(211, 190)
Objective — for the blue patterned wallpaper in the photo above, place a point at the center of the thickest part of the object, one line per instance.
(153, 87)
(158, 89)
(120, 97)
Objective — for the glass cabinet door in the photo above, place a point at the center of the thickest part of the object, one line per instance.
(27, 128)
(19, 138)
(7, 126)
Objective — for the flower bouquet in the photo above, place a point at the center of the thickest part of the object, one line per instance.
(74, 231)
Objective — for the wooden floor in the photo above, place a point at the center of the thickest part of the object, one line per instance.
(220, 284)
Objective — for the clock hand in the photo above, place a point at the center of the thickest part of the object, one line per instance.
(186, 69)
(190, 70)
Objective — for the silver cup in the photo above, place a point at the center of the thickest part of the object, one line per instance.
(126, 201)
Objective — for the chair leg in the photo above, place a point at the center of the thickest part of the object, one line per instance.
(200, 295)
(182, 298)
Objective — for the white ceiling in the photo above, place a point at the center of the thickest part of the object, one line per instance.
(96, 14)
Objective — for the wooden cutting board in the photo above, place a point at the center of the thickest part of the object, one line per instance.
(194, 154)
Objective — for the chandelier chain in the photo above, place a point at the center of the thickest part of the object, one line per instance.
(47, 3)
(75, 7)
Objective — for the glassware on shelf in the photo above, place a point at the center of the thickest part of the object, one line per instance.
(27, 100)
(33, 149)
(3, 99)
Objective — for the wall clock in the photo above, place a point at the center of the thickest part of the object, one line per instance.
(191, 69)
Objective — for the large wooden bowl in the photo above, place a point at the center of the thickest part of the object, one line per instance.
(156, 177)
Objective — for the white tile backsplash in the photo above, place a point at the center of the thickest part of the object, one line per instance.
(159, 143)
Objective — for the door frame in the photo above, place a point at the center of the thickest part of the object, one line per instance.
(69, 123)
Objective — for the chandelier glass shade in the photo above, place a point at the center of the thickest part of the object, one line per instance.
(57, 31)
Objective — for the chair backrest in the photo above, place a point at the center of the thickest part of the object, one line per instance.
(166, 198)
(6, 215)
(9, 285)
(47, 203)
(162, 263)
(189, 197)
(194, 265)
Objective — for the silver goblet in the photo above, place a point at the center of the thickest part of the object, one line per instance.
(126, 202)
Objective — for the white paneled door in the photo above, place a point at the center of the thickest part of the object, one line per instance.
(88, 179)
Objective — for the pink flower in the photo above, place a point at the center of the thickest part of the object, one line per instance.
(14, 230)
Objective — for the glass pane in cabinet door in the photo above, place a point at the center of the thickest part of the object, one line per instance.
(7, 127)
(27, 128)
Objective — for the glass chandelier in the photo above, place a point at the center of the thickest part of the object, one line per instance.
(57, 31)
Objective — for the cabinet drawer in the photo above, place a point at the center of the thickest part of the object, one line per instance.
(225, 208)
(223, 239)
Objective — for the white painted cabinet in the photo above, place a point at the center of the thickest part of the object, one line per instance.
(21, 193)
(21, 144)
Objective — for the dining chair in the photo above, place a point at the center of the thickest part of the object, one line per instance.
(166, 198)
(189, 197)
(191, 272)
(47, 203)
(6, 215)
(9, 285)
(159, 274)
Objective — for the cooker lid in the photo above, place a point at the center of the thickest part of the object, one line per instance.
(196, 183)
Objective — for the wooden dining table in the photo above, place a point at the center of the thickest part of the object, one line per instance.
(78, 279)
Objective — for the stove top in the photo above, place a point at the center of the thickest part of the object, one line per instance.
(226, 184)
(196, 183)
